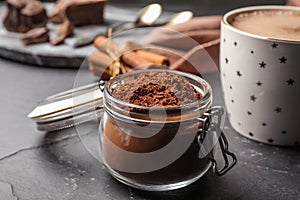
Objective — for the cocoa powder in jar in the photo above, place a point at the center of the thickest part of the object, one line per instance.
(162, 90)
(159, 89)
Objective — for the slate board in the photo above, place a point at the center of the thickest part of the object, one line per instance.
(11, 47)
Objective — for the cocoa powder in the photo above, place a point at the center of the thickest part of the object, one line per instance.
(161, 89)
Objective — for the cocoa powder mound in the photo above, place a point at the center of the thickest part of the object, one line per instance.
(160, 89)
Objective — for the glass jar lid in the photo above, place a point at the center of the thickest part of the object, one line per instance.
(123, 103)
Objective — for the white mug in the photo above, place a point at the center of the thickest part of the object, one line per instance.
(261, 82)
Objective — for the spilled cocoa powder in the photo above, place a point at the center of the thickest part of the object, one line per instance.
(160, 89)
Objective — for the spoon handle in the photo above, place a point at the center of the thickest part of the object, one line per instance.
(116, 28)
(124, 26)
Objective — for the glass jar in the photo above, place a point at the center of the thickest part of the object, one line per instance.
(161, 148)
(149, 148)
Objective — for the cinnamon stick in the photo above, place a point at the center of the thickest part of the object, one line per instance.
(99, 71)
(135, 61)
(153, 57)
(99, 40)
(100, 58)
(139, 59)
(100, 64)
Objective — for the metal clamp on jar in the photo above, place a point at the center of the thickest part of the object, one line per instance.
(147, 147)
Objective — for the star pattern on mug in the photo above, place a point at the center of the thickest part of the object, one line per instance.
(278, 110)
(262, 64)
(253, 98)
(283, 59)
(226, 60)
(274, 45)
(258, 83)
(265, 64)
(290, 82)
(270, 140)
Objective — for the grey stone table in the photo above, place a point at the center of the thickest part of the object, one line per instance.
(38, 166)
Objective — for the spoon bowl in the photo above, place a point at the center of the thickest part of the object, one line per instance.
(180, 17)
(149, 14)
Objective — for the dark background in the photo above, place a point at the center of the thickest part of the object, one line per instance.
(199, 7)
(203, 7)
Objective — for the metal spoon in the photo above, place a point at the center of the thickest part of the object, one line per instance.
(145, 17)
(180, 17)
(177, 18)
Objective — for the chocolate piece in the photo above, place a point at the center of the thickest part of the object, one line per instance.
(87, 13)
(58, 40)
(79, 12)
(35, 36)
(63, 31)
(24, 15)
(57, 14)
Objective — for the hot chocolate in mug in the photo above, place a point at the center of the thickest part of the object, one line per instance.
(260, 74)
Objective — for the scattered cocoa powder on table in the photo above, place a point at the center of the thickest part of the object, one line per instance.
(160, 89)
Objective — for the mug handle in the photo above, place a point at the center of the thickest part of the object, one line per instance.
(209, 125)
